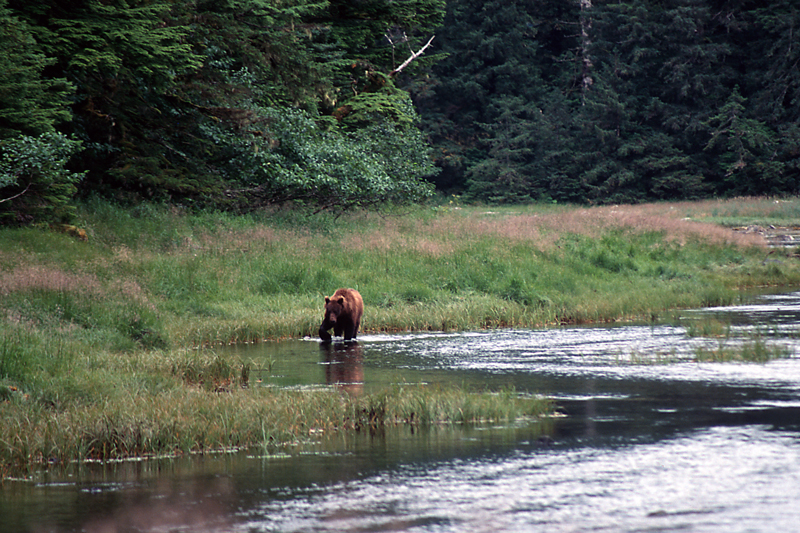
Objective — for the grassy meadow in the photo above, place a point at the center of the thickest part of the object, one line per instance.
(99, 338)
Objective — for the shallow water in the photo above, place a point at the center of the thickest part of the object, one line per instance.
(649, 440)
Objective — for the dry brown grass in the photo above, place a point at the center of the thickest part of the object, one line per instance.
(246, 240)
(392, 234)
(251, 240)
(43, 278)
(441, 235)
(32, 277)
(130, 290)
(742, 206)
(656, 217)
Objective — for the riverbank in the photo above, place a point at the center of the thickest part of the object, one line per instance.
(100, 338)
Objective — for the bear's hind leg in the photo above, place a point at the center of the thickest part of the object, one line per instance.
(350, 331)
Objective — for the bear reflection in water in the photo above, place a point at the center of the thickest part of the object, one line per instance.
(344, 366)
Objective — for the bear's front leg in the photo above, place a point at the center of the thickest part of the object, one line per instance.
(323, 333)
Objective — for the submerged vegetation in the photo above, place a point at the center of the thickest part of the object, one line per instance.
(101, 339)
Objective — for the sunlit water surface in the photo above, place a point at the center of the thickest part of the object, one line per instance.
(648, 440)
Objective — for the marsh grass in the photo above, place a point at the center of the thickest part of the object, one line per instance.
(216, 279)
(752, 346)
(212, 371)
(647, 359)
(98, 338)
(744, 211)
(185, 420)
(708, 327)
(756, 350)
(419, 404)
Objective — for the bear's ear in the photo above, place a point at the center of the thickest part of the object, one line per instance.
(327, 300)
(341, 301)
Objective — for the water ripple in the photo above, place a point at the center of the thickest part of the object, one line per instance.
(719, 479)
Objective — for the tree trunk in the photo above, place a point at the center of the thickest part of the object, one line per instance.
(586, 60)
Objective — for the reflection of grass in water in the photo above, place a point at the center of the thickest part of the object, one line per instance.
(756, 350)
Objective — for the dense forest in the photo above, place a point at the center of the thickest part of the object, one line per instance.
(239, 104)
(616, 101)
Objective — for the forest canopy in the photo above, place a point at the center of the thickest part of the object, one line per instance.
(625, 101)
(240, 104)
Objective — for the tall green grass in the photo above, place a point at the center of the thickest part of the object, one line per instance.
(97, 338)
(184, 420)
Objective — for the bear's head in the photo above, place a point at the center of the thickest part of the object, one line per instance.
(333, 309)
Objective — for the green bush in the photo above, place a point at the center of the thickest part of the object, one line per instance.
(35, 186)
(293, 159)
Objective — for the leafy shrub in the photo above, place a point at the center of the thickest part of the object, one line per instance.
(35, 186)
(293, 159)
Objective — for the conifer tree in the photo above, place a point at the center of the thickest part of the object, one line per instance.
(630, 152)
(774, 65)
(240, 103)
(30, 102)
(745, 149)
(35, 186)
(483, 110)
(303, 128)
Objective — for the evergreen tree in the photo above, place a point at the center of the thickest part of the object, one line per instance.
(124, 58)
(631, 151)
(369, 150)
(177, 101)
(30, 102)
(240, 103)
(745, 149)
(774, 61)
(483, 109)
(508, 174)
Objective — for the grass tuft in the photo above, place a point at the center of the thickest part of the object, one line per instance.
(753, 350)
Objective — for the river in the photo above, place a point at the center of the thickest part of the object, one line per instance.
(647, 439)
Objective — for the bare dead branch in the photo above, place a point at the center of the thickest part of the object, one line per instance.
(16, 195)
(412, 58)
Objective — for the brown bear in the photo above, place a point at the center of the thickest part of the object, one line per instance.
(343, 313)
